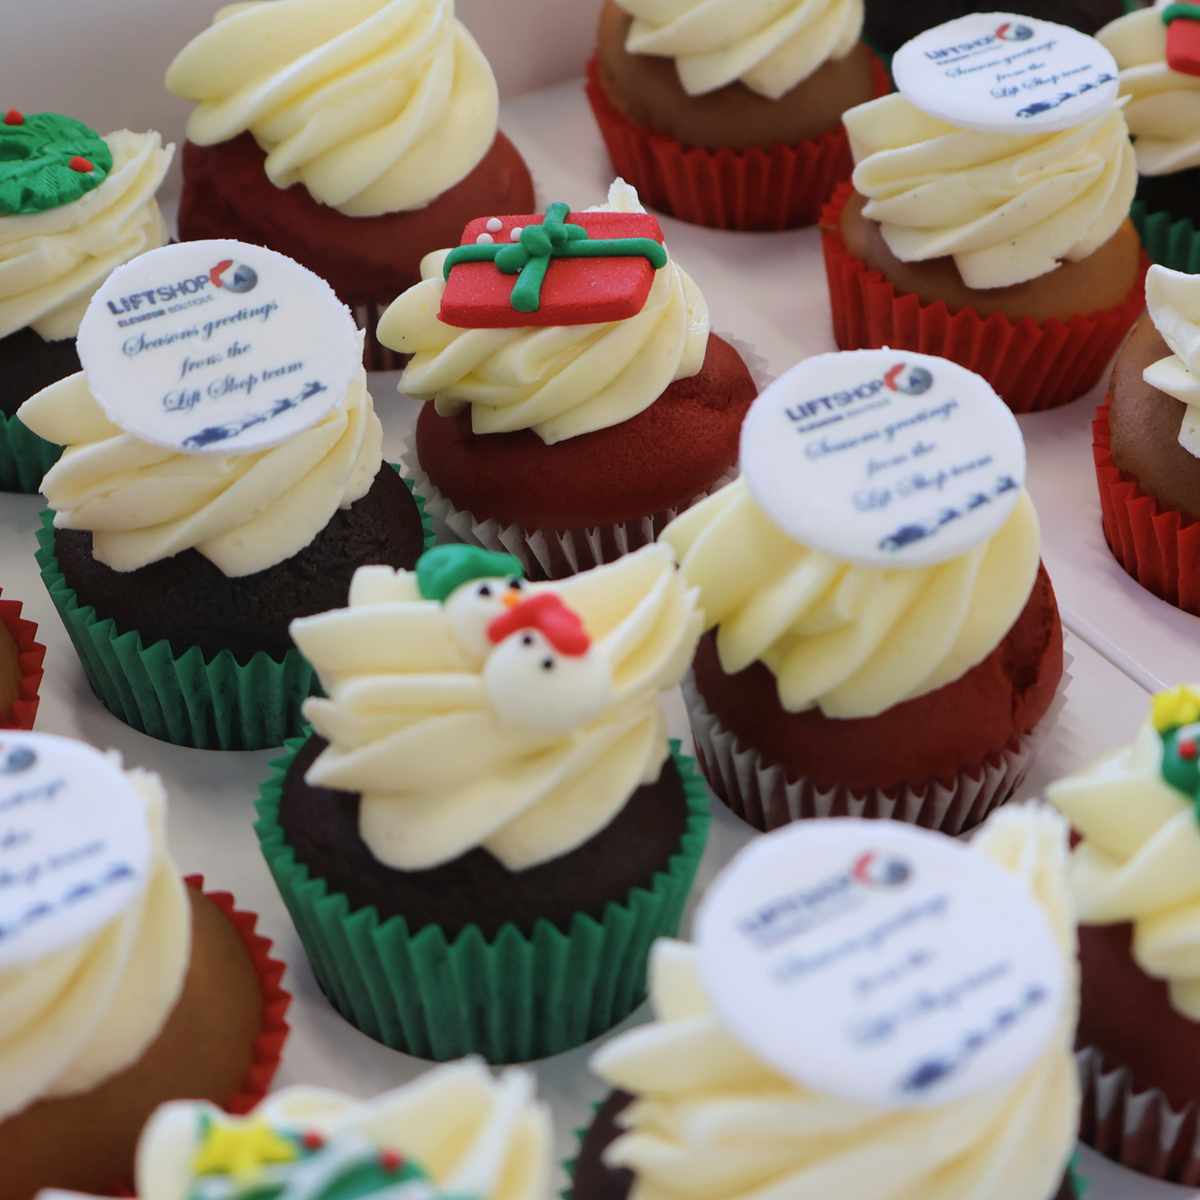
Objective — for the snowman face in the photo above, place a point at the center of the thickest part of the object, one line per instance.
(474, 606)
(534, 686)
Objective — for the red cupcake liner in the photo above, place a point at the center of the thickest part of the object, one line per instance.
(1031, 366)
(781, 188)
(1158, 546)
(31, 656)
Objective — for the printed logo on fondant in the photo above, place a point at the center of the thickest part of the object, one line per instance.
(925, 973)
(74, 845)
(883, 461)
(1003, 73)
(217, 347)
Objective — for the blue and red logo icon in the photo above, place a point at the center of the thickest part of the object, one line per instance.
(1008, 32)
(871, 870)
(912, 381)
(233, 277)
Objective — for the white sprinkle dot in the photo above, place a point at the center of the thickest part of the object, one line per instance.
(495, 224)
(484, 239)
(515, 233)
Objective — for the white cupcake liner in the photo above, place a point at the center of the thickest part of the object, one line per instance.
(763, 796)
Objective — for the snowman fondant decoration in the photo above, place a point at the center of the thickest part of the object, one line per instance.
(539, 667)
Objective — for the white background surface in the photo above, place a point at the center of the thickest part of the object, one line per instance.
(104, 61)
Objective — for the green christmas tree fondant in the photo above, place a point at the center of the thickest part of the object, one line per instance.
(47, 160)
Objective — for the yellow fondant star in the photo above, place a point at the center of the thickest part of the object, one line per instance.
(1180, 706)
(241, 1147)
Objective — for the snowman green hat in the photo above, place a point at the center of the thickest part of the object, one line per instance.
(443, 569)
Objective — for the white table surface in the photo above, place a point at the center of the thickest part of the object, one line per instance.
(769, 290)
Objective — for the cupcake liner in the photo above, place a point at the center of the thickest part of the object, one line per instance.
(1158, 546)
(269, 1045)
(24, 457)
(1031, 366)
(1174, 244)
(762, 795)
(512, 998)
(376, 356)
(218, 704)
(781, 188)
(31, 655)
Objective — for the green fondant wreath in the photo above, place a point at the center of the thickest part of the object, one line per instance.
(47, 160)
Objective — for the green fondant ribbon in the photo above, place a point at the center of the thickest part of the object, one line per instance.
(1175, 12)
(36, 153)
(529, 259)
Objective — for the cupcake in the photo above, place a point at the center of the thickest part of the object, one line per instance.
(122, 985)
(21, 671)
(609, 362)
(73, 206)
(1147, 445)
(489, 827)
(883, 640)
(354, 138)
(729, 114)
(884, 1091)
(1135, 879)
(223, 475)
(987, 219)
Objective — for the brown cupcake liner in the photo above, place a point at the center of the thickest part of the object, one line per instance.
(30, 654)
(1031, 366)
(763, 796)
(1158, 546)
(781, 188)
(376, 356)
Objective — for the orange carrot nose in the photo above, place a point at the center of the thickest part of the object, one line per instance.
(511, 598)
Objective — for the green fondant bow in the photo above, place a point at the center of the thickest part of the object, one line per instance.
(1175, 12)
(529, 259)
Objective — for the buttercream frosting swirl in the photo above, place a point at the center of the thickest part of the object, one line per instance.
(770, 45)
(1139, 860)
(712, 1120)
(52, 262)
(853, 640)
(558, 380)
(1164, 105)
(442, 768)
(475, 1136)
(1007, 207)
(1173, 301)
(80, 1015)
(243, 512)
(376, 106)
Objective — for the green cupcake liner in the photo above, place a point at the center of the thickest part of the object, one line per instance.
(24, 457)
(511, 999)
(1174, 244)
(219, 704)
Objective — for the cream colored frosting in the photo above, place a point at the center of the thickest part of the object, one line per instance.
(711, 1120)
(244, 512)
(1008, 207)
(1173, 301)
(83, 1013)
(558, 380)
(414, 726)
(1164, 105)
(478, 1137)
(376, 106)
(852, 640)
(1139, 860)
(770, 45)
(52, 262)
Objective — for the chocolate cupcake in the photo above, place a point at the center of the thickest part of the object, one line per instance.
(73, 206)
(489, 826)
(354, 138)
(706, 1105)
(1134, 875)
(988, 222)
(874, 651)
(178, 551)
(731, 116)
(609, 361)
(124, 986)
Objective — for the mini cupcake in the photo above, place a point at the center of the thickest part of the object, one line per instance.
(729, 114)
(122, 986)
(883, 640)
(177, 551)
(1146, 441)
(610, 362)
(1135, 877)
(21, 671)
(965, 236)
(354, 138)
(1162, 80)
(705, 1110)
(489, 827)
(73, 206)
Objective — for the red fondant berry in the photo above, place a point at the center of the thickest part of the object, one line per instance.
(312, 1140)
(390, 1160)
(1187, 749)
(14, 117)
(80, 164)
